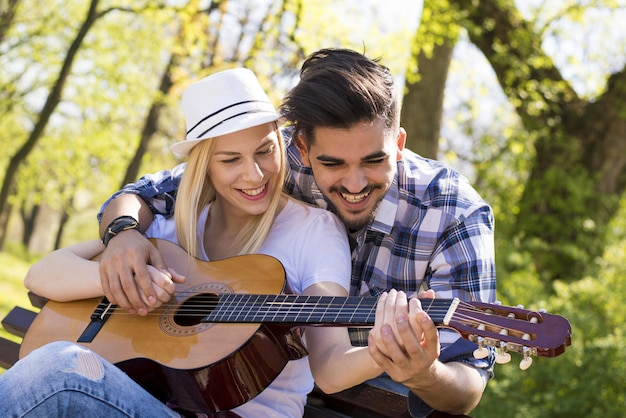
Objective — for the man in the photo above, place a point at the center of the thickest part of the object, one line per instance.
(414, 224)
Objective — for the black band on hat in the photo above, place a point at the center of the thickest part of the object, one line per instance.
(224, 120)
(227, 119)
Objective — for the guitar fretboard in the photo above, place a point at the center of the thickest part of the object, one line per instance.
(308, 310)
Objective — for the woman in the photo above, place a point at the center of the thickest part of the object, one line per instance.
(230, 202)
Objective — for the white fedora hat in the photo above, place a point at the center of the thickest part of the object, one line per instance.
(222, 103)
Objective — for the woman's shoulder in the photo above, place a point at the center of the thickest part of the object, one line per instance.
(297, 209)
(310, 220)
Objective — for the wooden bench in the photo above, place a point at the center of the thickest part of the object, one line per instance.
(16, 322)
(362, 401)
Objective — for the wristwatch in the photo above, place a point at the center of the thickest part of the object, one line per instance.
(117, 225)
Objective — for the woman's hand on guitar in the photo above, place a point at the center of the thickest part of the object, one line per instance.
(133, 274)
(404, 341)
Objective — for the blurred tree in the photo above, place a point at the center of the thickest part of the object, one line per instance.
(555, 175)
(8, 8)
(53, 99)
(579, 168)
(86, 142)
(422, 105)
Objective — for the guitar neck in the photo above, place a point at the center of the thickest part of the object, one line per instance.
(311, 310)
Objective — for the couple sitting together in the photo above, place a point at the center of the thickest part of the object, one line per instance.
(335, 196)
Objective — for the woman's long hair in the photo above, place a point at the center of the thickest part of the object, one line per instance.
(196, 191)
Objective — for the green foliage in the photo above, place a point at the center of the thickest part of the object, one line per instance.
(94, 132)
(587, 380)
(86, 147)
(386, 35)
(439, 25)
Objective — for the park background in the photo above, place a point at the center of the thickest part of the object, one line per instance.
(526, 98)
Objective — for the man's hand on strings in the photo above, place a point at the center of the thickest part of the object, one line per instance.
(134, 275)
(404, 341)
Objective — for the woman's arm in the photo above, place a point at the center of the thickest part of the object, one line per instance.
(67, 273)
(70, 273)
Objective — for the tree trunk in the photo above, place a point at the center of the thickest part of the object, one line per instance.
(151, 124)
(65, 217)
(422, 106)
(8, 8)
(580, 168)
(29, 221)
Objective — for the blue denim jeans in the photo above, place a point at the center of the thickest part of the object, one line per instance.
(62, 379)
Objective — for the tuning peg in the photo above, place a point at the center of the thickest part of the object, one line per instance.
(481, 351)
(502, 357)
(527, 361)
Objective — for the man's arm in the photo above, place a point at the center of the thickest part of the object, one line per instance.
(126, 204)
(157, 192)
(407, 348)
(124, 274)
(123, 264)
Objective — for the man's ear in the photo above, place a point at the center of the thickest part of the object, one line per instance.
(302, 148)
(400, 142)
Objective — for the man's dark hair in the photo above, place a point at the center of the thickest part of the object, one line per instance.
(337, 89)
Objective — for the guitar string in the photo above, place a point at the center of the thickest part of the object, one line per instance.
(276, 306)
(314, 310)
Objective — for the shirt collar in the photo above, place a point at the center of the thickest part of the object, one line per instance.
(387, 210)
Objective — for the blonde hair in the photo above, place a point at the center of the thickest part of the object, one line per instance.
(196, 191)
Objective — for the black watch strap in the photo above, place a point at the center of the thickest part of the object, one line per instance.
(117, 225)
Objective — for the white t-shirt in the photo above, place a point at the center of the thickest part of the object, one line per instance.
(312, 245)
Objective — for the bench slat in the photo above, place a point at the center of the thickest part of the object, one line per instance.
(364, 401)
(36, 300)
(9, 353)
(18, 320)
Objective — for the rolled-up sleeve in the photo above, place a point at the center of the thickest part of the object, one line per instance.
(158, 190)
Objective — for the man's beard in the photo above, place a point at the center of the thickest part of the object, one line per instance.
(360, 223)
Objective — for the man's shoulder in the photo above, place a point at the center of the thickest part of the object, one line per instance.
(433, 182)
(419, 173)
(424, 168)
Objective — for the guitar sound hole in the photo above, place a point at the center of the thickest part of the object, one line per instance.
(194, 309)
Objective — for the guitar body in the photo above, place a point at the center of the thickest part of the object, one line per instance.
(200, 367)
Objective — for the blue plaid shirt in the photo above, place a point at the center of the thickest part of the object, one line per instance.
(432, 231)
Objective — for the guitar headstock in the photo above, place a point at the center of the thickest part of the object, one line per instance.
(530, 333)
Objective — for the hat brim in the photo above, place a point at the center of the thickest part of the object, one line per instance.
(183, 148)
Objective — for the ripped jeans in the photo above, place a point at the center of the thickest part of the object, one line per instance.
(62, 379)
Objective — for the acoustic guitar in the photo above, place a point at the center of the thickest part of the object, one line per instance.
(230, 329)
